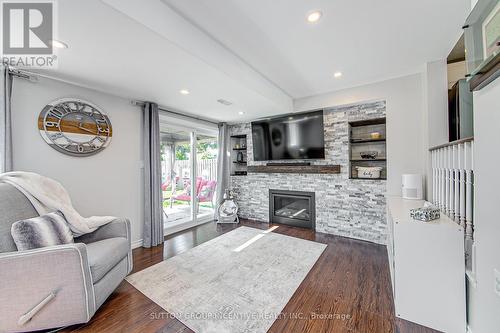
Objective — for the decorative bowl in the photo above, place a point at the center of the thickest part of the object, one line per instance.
(368, 155)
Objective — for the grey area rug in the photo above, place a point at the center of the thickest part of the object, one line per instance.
(237, 282)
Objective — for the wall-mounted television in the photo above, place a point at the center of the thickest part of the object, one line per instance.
(298, 136)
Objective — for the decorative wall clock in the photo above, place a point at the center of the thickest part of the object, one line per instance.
(75, 127)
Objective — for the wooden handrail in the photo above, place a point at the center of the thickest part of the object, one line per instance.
(452, 143)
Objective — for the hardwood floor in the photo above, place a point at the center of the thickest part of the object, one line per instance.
(347, 290)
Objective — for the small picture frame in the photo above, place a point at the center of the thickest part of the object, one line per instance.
(491, 32)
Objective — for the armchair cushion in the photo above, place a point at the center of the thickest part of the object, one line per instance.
(116, 228)
(105, 254)
(41, 231)
(14, 206)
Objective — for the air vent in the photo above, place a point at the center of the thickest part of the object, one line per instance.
(224, 102)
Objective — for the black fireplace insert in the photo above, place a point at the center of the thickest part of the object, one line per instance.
(295, 208)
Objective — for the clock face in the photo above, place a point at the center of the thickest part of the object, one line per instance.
(75, 127)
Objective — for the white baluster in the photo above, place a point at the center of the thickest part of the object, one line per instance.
(456, 181)
(434, 177)
(461, 166)
(438, 167)
(468, 192)
(447, 182)
(451, 184)
(443, 181)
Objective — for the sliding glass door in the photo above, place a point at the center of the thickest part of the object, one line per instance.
(189, 174)
(176, 176)
(206, 170)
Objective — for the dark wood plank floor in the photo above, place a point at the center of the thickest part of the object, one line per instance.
(347, 290)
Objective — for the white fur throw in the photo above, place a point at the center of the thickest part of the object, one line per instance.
(47, 195)
(46, 230)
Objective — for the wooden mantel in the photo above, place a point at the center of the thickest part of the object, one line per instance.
(322, 169)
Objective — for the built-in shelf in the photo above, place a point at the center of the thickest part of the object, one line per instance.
(322, 169)
(367, 140)
(238, 152)
(356, 178)
(361, 140)
(376, 121)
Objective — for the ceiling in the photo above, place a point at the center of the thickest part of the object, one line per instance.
(260, 55)
(365, 40)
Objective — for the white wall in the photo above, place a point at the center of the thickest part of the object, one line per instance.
(108, 183)
(484, 304)
(436, 90)
(405, 121)
(435, 99)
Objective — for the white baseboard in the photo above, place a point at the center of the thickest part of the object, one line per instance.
(186, 225)
(177, 228)
(136, 244)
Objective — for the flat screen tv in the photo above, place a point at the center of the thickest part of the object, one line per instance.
(295, 136)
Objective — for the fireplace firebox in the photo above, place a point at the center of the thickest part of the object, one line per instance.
(295, 208)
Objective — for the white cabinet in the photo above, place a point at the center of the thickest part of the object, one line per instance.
(427, 268)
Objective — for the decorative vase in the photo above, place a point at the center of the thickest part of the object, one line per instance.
(239, 157)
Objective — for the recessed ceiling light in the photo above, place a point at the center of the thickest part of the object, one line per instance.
(314, 17)
(241, 113)
(58, 44)
(337, 74)
(184, 92)
(224, 102)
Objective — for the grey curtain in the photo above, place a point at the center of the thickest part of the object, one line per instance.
(5, 120)
(153, 223)
(223, 163)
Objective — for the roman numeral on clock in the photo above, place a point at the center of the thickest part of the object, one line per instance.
(58, 113)
(55, 136)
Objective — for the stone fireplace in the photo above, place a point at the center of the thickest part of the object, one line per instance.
(347, 207)
(295, 208)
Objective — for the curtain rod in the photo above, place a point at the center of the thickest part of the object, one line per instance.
(23, 75)
(33, 77)
(163, 109)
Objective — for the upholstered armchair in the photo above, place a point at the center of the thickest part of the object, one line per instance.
(59, 285)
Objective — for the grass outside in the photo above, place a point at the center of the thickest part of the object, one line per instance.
(168, 194)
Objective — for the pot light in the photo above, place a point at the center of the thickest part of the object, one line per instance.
(224, 102)
(58, 44)
(314, 17)
(184, 92)
(241, 113)
(337, 75)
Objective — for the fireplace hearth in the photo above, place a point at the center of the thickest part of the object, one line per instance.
(295, 208)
